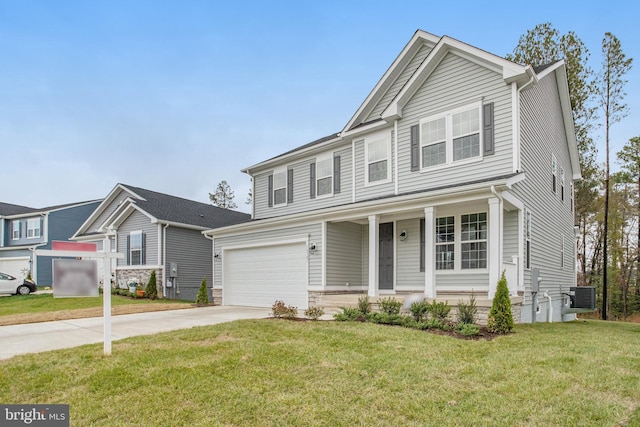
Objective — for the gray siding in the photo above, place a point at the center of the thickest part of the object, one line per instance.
(108, 211)
(344, 254)
(408, 274)
(510, 235)
(476, 282)
(542, 133)
(455, 81)
(193, 254)
(399, 83)
(137, 221)
(314, 231)
(302, 202)
(64, 223)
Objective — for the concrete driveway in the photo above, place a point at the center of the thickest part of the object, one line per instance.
(45, 336)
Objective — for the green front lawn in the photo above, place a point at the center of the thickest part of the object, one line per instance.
(40, 303)
(278, 372)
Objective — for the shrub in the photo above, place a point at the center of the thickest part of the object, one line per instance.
(291, 312)
(418, 310)
(439, 310)
(363, 305)
(151, 291)
(500, 318)
(389, 305)
(468, 329)
(314, 313)
(468, 313)
(349, 314)
(202, 298)
(278, 309)
(387, 319)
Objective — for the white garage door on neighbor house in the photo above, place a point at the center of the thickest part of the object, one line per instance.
(259, 275)
(16, 267)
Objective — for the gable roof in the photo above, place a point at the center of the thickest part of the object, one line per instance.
(166, 208)
(8, 209)
(162, 208)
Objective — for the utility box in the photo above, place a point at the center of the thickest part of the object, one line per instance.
(583, 297)
(535, 280)
(173, 269)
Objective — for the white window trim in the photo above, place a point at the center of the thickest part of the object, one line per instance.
(528, 231)
(319, 159)
(14, 230)
(34, 229)
(281, 170)
(554, 174)
(457, 246)
(131, 234)
(375, 138)
(449, 137)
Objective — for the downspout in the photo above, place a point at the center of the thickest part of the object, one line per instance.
(550, 311)
(164, 260)
(395, 155)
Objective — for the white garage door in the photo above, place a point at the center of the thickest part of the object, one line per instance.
(258, 276)
(17, 266)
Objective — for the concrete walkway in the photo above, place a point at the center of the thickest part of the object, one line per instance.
(45, 336)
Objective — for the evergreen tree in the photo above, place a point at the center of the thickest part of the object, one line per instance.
(202, 298)
(151, 291)
(500, 317)
(223, 197)
(610, 89)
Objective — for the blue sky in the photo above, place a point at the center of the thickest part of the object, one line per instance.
(175, 96)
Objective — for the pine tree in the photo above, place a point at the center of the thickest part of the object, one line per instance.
(223, 197)
(151, 291)
(500, 317)
(202, 297)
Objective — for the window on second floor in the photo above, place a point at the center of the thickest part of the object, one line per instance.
(280, 187)
(562, 184)
(15, 231)
(554, 173)
(324, 178)
(33, 228)
(378, 155)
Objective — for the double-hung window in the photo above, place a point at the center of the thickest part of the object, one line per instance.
(473, 237)
(451, 137)
(33, 228)
(378, 153)
(445, 243)
(15, 232)
(280, 187)
(554, 173)
(135, 248)
(324, 179)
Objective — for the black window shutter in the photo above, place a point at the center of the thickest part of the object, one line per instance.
(289, 185)
(270, 189)
(487, 122)
(422, 245)
(415, 148)
(312, 182)
(336, 174)
(143, 255)
(128, 249)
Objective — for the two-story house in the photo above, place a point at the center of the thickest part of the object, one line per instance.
(24, 229)
(157, 232)
(459, 165)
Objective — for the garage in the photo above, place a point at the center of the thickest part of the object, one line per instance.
(15, 266)
(257, 276)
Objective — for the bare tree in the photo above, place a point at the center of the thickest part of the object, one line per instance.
(223, 197)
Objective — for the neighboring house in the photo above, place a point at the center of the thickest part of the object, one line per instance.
(156, 231)
(459, 165)
(23, 230)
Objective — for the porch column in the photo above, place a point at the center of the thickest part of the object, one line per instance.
(429, 252)
(494, 261)
(373, 254)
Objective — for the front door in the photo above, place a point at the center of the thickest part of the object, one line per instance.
(385, 254)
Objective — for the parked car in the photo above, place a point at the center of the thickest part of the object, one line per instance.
(13, 285)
